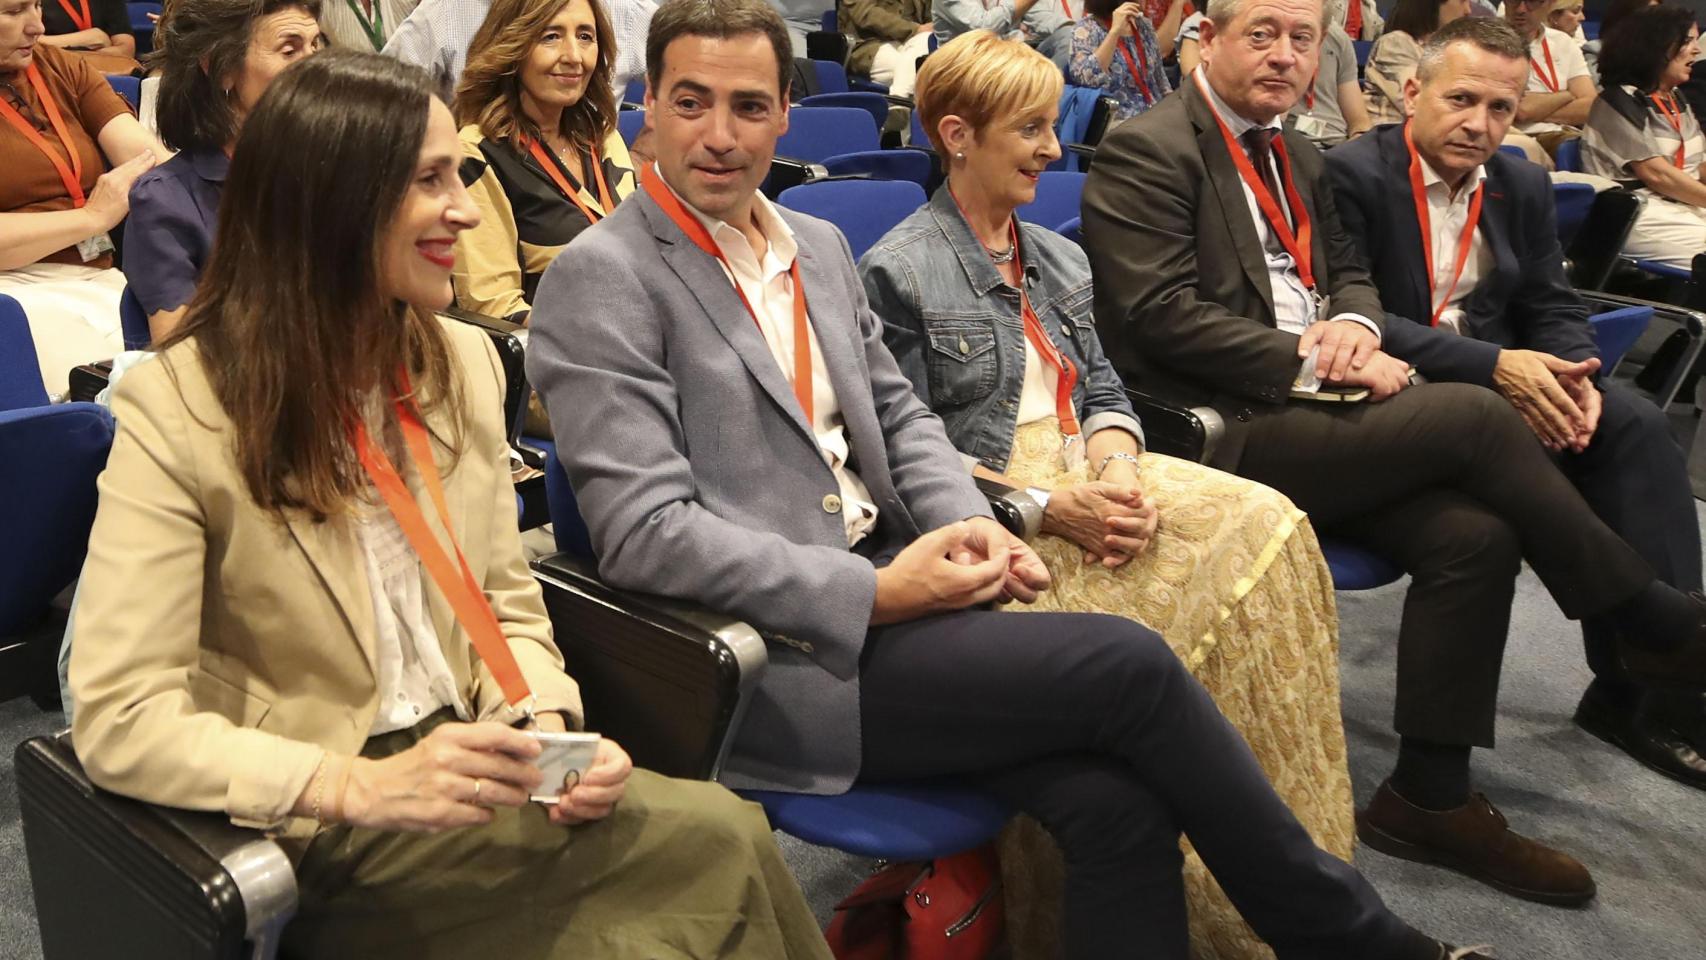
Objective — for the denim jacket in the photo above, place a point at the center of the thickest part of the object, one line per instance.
(956, 330)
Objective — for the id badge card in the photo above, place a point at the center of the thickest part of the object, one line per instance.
(95, 247)
(1311, 126)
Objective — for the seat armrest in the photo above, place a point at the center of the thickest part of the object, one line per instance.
(1190, 433)
(827, 45)
(88, 380)
(512, 354)
(1691, 322)
(1014, 509)
(114, 876)
(669, 680)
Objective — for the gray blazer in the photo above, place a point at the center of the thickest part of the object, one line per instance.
(699, 478)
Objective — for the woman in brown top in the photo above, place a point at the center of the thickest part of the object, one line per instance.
(61, 127)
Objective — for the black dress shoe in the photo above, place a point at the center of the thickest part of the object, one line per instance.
(1648, 730)
(1682, 664)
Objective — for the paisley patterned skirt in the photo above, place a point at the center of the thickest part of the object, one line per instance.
(1235, 582)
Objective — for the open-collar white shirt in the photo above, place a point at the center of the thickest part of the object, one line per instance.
(1447, 216)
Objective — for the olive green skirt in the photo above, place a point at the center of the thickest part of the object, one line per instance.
(680, 869)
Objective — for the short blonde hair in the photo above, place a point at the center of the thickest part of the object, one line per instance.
(980, 77)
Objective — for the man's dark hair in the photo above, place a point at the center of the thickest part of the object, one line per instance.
(722, 19)
(1484, 33)
(1637, 51)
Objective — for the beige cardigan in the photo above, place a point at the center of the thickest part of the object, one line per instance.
(219, 651)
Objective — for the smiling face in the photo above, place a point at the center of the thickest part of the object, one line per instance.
(277, 40)
(20, 27)
(1460, 114)
(557, 70)
(1676, 71)
(1002, 161)
(417, 258)
(1262, 61)
(716, 115)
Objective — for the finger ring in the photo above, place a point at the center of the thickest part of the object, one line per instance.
(477, 785)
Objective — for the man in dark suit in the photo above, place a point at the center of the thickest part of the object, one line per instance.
(738, 436)
(1503, 316)
(1223, 277)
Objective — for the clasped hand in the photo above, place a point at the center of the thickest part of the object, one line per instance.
(1350, 354)
(432, 786)
(1557, 398)
(961, 565)
(1113, 522)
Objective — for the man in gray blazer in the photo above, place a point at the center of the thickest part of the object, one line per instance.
(1223, 277)
(730, 450)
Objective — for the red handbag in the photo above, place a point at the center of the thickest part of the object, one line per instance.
(944, 909)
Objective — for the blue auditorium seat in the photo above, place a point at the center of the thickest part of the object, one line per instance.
(1357, 568)
(133, 321)
(875, 104)
(1569, 156)
(130, 88)
(1072, 230)
(1059, 194)
(864, 210)
(629, 123)
(822, 132)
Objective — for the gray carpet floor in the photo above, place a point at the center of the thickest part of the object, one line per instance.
(1643, 836)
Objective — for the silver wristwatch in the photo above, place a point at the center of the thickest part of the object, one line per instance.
(1039, 495)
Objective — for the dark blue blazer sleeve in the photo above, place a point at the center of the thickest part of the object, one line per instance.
(1545, 310)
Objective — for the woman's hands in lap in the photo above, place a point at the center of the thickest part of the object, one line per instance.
(431, 786)
(1112, 521)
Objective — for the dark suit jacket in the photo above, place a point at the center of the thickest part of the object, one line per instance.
(1524, 302)
(1183, 302)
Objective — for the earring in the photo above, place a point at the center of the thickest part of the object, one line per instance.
(960, 155)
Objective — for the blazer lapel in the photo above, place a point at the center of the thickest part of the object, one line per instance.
(1228, 189)
(331, 549)
(705, 278)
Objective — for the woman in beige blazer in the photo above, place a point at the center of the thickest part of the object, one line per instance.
(255, 634)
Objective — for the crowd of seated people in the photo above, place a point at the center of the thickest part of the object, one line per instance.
(756, 424)
(99, 29)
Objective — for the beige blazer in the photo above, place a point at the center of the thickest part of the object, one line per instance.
(218, 651)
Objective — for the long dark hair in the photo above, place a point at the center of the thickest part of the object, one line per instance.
(489, 94)
(1418, 18)
(1642, 45)
(288, 319)
(198, 45)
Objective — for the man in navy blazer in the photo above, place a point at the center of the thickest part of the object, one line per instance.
(1498, 311)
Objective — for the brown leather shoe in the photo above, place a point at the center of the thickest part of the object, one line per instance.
(1474, 840)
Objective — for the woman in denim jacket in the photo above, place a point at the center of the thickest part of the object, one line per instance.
(1226, 569)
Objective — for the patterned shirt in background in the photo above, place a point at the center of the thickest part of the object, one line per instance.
(1156, 11)
(436, 37)
(1625, 127)
(346, 29)
(1117, 80)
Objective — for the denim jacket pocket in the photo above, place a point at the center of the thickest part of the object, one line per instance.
(962, 362)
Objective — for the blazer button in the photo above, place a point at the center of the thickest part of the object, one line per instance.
(1244, 415)
(832, 504)
(807, 647)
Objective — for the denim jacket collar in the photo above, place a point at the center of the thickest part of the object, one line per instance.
(981, 272)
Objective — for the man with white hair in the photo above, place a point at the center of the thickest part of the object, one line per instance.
(1217, 286)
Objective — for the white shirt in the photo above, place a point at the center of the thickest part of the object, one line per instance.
(769, 287)
(436, 36)
(1294, 305)
(344, 28)
(414, 679)
(1566, 59)
(1042, 380)
(1447, 216)
(630, 20)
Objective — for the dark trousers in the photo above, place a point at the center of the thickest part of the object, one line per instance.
(1448, 482)
(1090, 724)
(1635, 477)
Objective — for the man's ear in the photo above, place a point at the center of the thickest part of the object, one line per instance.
(1412, 90)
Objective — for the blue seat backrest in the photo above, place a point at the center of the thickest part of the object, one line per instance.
(1574, 201)
(130, 88)
(1057, 200)
(831, 76)
(50, 457)
(133, 321)
(1570, 156)
(635, 92)
(874, 104)
(1615, 331)
(566, 523)
(1077, 104)
(20, 373)
(864, 210)
(629, 123)
(819, 132)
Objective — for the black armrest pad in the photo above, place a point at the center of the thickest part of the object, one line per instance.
(1172, 429)
(89, 380)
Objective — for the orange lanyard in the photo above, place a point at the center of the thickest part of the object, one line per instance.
(1674, 115)
(84, 22)
(1550, 83)
(1066, 8)
(690, 225)
(467, 598)
(71, 176)
(1298, 245)
(1139, 67)
(551, 170)
(1309, 95)
(1464, 241)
